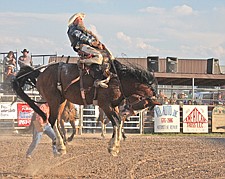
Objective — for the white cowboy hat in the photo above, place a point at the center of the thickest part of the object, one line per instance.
(73, 17)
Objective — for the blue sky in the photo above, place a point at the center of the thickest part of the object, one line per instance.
(131, 28)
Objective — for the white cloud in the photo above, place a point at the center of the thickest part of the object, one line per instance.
(40, 41)
(219, 10)
(9, 40)
(124, 37)
(218, 51)
(153, 10)
(144, 44)
(94, 30)
(183, 10)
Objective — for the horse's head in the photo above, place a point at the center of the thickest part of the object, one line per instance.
(137, 81)
(139, 86)
(137, 102)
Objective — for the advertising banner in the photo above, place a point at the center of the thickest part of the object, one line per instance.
(218, 119)
(25, 113)
(195, 119)
(8, 111)
(167, 118)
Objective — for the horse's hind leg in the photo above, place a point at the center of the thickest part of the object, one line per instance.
(56, 108)
(103, 129)
(101, 118)
(59, 140)
(122, 128)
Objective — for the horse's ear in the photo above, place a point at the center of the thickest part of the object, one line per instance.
(117, 64)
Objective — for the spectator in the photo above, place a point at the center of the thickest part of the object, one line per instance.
(25, 59)
(161, 97)
(165, 100)
(189, 102)
(195, 103)
(181, 99)
(190, 96)
(9, 64)
(220, 100)
(39, 128)
(173, 99)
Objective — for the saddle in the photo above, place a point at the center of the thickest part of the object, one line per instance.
(100, 73)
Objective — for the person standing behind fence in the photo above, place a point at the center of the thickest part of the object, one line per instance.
(25, 59)
(173, 99)
(39, 128)
(9, 63)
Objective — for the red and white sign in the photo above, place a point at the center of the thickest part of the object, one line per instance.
(8, 110)
(195, 119)
(167, 118)
(25, 113)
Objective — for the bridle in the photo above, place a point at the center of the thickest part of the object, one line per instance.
(139, 98)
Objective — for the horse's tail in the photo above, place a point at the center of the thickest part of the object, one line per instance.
(27, 75)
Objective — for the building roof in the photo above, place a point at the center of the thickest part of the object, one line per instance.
(190, 79)
(203, 72)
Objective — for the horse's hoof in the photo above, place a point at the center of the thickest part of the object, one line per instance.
(62, 152)
(69, 139)
(57, 154)
(112, 152)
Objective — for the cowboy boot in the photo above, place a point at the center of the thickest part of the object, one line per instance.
(98, 75)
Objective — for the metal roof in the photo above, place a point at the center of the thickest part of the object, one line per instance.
(188, 79)
(188, 71)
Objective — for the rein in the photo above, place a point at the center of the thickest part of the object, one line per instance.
(38, 68)
(117, 76)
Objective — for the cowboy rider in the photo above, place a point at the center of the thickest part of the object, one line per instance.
(88, 47)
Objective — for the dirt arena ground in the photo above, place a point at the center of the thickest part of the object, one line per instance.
(146, 156)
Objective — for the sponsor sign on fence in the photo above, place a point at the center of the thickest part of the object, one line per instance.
(218, 119)
(195, 119)
(167, 118)
(8, 111)
(25, 113)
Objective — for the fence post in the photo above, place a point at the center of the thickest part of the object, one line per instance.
(141, 122)
(81, 119)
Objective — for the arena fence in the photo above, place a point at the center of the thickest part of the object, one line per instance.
(17, 116)
(89, 121)
(164, 118)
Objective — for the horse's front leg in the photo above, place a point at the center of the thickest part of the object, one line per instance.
(120, 129)
(63, 131)
(72, 123)
(114, 143)
(59, 141)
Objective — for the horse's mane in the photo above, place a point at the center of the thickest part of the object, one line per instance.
(141, 75)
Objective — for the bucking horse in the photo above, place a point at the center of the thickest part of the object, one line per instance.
(60, 82)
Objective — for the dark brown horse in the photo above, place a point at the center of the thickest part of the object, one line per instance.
(61, 81)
